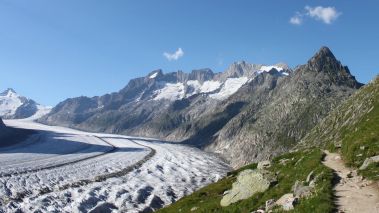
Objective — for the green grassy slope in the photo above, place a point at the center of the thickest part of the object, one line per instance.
(353, 126)
(299, 165)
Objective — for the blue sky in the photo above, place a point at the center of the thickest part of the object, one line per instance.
(51, 50)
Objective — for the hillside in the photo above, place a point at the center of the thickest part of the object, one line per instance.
(353, 128)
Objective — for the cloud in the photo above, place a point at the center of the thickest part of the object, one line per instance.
(174, 56)
(296, 19)
(325, 14)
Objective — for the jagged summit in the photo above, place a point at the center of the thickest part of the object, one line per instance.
(15, 106)
(8, 92)
(324, 60)
(327, 68)
(325, 52)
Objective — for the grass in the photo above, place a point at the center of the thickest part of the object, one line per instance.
(361, 140)
(353, 126)
(299, 165)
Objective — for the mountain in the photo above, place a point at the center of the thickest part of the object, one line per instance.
(247, 113)
(138, 108)
(15, 106)
(352, 127)
(277, 118)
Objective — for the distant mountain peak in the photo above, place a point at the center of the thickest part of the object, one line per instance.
(8, 92)
(15, 106)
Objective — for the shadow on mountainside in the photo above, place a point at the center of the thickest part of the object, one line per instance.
(205, 134)
(47, 142)
(10, 136)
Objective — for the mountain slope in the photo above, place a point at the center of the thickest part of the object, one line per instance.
(276, 120)
(141, 107)
(15, 106)
(247, 113)
(353, 126)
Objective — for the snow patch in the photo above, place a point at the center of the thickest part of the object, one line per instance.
(230, 86)
(170, 91)
(210, 86)
(268, 68)
(153, 75)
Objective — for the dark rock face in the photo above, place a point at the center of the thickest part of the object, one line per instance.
(267, 116)
(2, 125)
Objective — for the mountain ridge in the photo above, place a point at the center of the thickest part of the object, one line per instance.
(229, 110)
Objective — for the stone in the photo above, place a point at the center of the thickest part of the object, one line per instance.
(194, 208)
(300, 191)
(368, 161)
(310, 177)
(270, 204)
(287, 201)
(264, 164)
(247, 184)
(283, 161)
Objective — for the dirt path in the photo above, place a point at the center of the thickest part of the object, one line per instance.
(352, 193)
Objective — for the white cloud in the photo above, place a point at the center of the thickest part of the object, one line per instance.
(325, 14)
(174, 56)
(296, 19)
(320, 13)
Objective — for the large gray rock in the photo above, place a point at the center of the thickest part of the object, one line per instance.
(287, 201)
(264, 164)
(368, 161)
(301, 191)
(247, 184)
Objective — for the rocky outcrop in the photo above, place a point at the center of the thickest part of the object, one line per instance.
(301, 191)
(287, 201)
(247, 184)
(368, 161)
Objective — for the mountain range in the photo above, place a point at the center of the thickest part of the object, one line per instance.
(247, 113)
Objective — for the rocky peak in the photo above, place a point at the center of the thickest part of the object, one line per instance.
(201, 75)
(326, 67)
(324, 60)
(238, 69)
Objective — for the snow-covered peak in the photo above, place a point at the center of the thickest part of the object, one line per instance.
(9, 93)
(15, 106)
(283, 69)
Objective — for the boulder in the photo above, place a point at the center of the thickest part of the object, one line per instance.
(264, 164)
(300, 191)
(270, 204)
(283, 161)
(287, 201)
(247, 184)
(194, 208)
(368, 161)
(310, 177)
